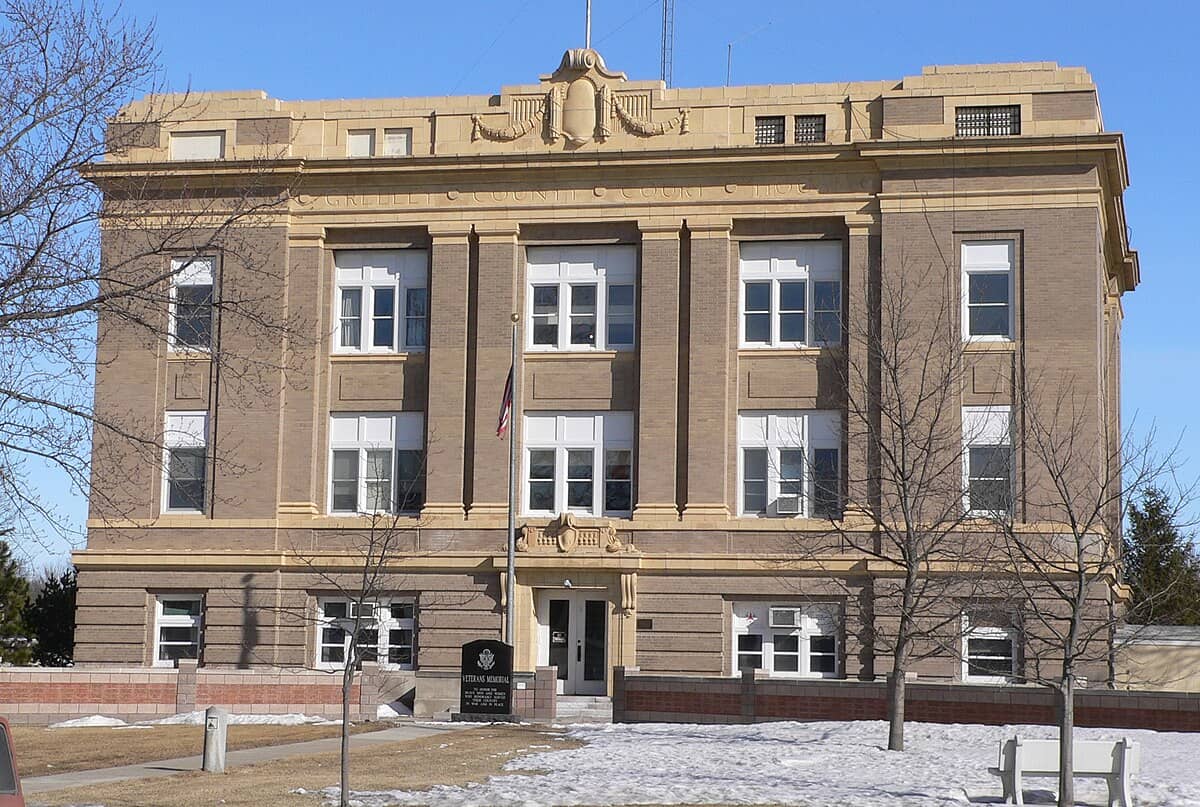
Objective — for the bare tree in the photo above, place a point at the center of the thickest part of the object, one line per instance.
(374, 549)
(904, 376)
(1062, 540)
(356, 567)
(68, 74)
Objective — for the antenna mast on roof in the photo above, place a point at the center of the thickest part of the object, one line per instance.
(668, 40)
(587, 36)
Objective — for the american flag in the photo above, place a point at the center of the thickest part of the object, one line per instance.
(505, 406)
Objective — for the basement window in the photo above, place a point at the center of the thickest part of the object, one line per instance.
(987, 121)
(178, 619)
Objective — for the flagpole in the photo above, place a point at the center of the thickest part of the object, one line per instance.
(509, 611)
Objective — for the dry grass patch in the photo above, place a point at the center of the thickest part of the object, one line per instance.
(41, 751)
(452, 758)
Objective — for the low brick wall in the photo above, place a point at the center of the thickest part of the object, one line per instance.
(679, 699)
(44, 696)
(50, 695)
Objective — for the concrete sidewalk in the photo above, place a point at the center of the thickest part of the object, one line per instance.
(248, 756)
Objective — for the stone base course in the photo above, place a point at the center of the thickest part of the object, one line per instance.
(641, 698)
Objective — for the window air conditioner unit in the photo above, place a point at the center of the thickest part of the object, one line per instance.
(788, 505)
(784, 618)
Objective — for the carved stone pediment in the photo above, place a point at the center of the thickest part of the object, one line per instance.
(582, 102)
(567, 536)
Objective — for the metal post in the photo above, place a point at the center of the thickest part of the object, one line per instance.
(509, 610)
(587, 38)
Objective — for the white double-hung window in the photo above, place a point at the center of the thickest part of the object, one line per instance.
(386, 632)
(581, 298)
(580, 462)
(987, 460)
(790, 294)
(789, 464)
(987, 283)
(798, 640)
(376, 462)
(989, 653)
(185, 449)
(382, 301)
(178, 621)
(191, 303)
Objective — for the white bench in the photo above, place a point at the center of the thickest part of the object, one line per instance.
(1112, 760)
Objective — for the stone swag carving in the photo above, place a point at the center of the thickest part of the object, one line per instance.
(579, 107)
(566, 535)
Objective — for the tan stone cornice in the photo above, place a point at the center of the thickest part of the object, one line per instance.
(846, 564)
(1109, 144)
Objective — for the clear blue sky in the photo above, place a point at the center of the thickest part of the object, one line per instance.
(1143, 57)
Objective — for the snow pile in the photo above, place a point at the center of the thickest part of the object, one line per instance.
(197, 719)
(390, 711)
(842, 763)
(90, 722)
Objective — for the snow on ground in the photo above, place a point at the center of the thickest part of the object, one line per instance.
(90, 722)
(833, 763)
(196, 719)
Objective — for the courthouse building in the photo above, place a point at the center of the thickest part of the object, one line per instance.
(686, 268)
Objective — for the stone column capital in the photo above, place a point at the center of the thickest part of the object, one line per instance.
(498, 232)
(710, 226)
(449, 231)
(667, 229)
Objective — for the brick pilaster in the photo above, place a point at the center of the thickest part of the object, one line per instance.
(861, 320)
(496, 300)
(711, 419)
(445, 412)
(658, 370)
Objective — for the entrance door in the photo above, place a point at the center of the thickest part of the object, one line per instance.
(572, 628)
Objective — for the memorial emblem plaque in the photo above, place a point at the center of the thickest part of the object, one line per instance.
(486, 678)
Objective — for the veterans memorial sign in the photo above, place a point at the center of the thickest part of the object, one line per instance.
(486, 678)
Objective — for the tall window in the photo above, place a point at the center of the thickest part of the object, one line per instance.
(579, 462)
(987, 310)
(791, 293)
(581, 298)
(386, 632)
(989, 649)
(789, 464)
(768, 130)
(185, 446)
(798, 640)
(987, 459)
(178, 619)
(987, 121)
(191, 303)
(382, 303)
(376, 463)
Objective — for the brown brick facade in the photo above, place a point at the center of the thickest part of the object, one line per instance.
(894, 188)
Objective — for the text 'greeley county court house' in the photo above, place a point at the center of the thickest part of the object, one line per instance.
(688, 267)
